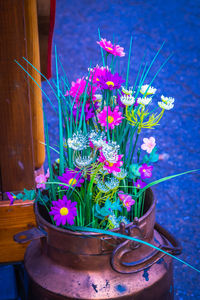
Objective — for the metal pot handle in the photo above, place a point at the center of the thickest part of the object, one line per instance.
(29, 235)
(171, 245)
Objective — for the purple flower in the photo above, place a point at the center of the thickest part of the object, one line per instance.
(88, 110)
(72, 178)
(139, 184)
(64, 211)
(145, 171)
(11, 197)
(110, 81)
(40, 181)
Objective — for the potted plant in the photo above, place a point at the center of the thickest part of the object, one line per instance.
(94, 207)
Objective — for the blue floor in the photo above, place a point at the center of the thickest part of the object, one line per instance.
(151, 22)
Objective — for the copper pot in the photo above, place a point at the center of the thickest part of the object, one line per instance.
(62, 264)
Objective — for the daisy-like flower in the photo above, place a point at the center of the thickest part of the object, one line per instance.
(96, 73)
(145, 171)
(40, 181)
(110, 81)
(149, 144)
(111, 166)
(116, 50)
(151, 90)
(64, 211)
(127, 100)
(109, 118)
(126, 199)
(78, 141)
(73, 178)
(139, 184)
(79, 87)
(144, 101)
(112, 184)
(167, 103)
(120, 175)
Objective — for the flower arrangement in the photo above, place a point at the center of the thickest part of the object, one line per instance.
(103, 169)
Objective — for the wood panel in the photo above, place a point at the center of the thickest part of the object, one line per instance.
(16, 147)
(16, 218)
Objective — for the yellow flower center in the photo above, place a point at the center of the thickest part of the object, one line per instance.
(110, 164)
(110, 83)
(110, 119)
(97, 79)
(64, 211)
(72, 181)
(109, 48)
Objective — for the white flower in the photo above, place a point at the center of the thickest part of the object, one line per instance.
(126, 91)
(102, 187)
(144, 101)
(151, 90)
(167, 100)
(149, 144)
(127, 100)
(166, 106)
(97, 138)
(98, 97)
(83, 161)
(79, 141)
(110, 151)
(112, 184)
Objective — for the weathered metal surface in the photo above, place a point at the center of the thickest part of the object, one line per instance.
(72, 265)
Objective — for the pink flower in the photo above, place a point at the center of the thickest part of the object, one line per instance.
(111, 167)
(40, 181)
(126, 199)
(116, 50)
(97, 72)
(78, 88)
(149, 144)
(112, 118)
(139, 184)
(64, 211)
(145, 171)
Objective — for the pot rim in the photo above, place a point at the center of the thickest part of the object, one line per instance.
(77, 233)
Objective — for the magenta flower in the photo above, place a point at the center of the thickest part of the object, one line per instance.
(72, 178)
(126, 199)
(40, 181)
(111, 167)
(109, 81)
(139, 184)
(11, 197)
(116, 50)
(78, 88)
(110, 118)
(149, 144)
(96, 73)
(145, 171)
(64, 211)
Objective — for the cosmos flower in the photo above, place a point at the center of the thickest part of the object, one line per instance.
(64, 211)
(149, 144)
(126, 199)
(110, 118)
(78, 88)
(116, 50)
(71, 177)
(96, 73)
(145, 171)
(144, 101)
(111, 166)
(139, 184)
(110, 81)
(151, 90)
